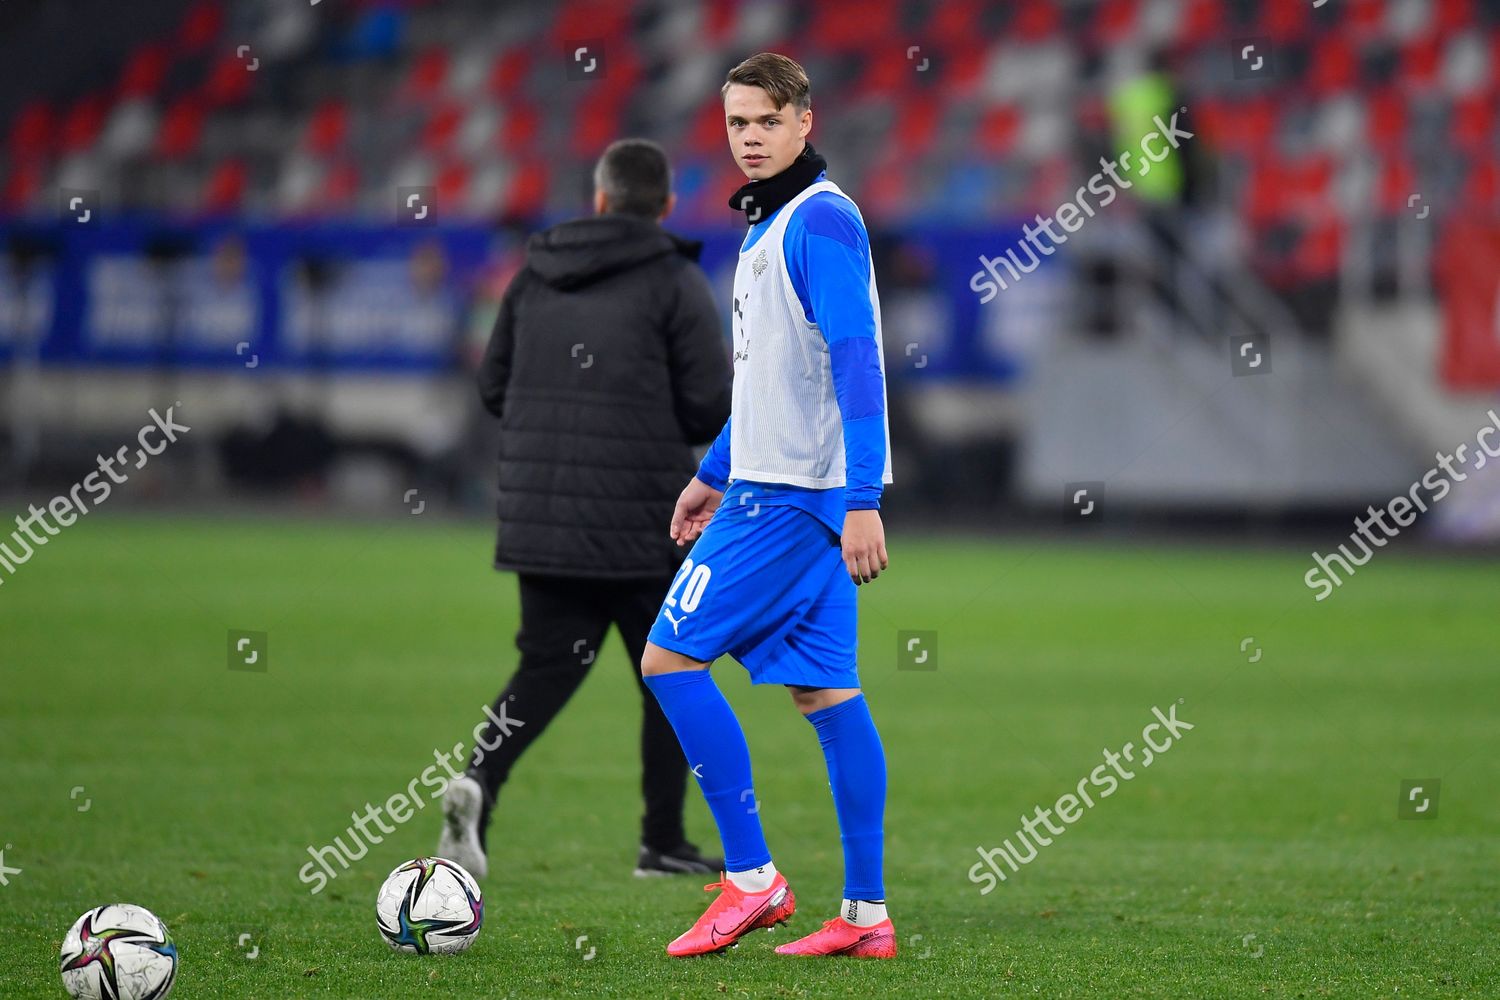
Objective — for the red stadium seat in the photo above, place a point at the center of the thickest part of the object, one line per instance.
(1201, 22)
(1386, 119)
(886, 73)
(596, 124)
(1450, 16)
(1246, 128)
(509, 72)
(429, 71)
(887, 190)
(23, 185)
(952, 24)
(1420, 63)
(595, 20)
(1286, 190)
(181, 128)
(1398, 182)
(719, 18)
(1363, 20)
(707, 136)
(340, 185)
(1285, 22)
(1115, 22)
(327, 128)
(32, 133)
(1334, 65)
(1481, 190)
(520, 129)
(1473, 124)
(230, 81)
(81, 126)
(200, 28)
(527, 197)
(841, 26)
(961, 67)
(224, 193)
(916, 122)
(453, 184)
(1319, 251)
(442, 128)
(1036, 21)
(998, 131)
(144, 73)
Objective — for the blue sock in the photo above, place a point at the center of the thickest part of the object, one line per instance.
(715, 747)
(856, 772)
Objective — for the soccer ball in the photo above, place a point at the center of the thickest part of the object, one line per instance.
(429, 905)
(119, 952)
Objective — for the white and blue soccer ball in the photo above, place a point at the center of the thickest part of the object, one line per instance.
(119, 952)
(429, 906)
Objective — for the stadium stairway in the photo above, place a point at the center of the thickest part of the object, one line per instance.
(1166, 423)
(1159, 414)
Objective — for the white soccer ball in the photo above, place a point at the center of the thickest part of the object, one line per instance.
(119, 952)
(429, 905)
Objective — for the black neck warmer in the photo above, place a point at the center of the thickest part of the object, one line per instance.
(758, 199)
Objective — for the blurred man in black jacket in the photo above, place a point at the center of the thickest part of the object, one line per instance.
(607, 363)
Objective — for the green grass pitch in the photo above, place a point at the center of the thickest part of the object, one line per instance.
(1261, 856)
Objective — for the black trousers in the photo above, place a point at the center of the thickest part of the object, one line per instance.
(563, 623)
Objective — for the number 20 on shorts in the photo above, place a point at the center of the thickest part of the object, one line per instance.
(697, 579)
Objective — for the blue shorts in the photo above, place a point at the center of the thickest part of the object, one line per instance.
(767, 585)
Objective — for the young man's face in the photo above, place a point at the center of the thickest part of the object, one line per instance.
(764, 139)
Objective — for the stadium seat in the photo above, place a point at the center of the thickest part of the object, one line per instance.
(200, 28)
(520, 127)
(1420, 62)
(1387, 119)
(327, 128)
(1115, 22)
(181, 128)
(23, 186)
(1036, 20)
(527, 196)
(224, 193)
(842, 26)
(82, 125)
(509, 71)
(1481, 190)
(441, 128)
(428, 73)
(1334, 65)
(32, 134)
(229, 81)
(1398, 183)
(1473, 124)
(145, 72)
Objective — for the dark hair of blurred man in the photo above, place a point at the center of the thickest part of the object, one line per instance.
(607, 363)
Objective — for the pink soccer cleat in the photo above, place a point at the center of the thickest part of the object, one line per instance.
(734, 914)
(839, 937)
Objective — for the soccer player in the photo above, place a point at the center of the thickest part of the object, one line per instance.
(787, 504)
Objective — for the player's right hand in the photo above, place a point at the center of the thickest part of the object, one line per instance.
(695, 507)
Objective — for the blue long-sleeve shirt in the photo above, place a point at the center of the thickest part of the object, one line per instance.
(828, 259)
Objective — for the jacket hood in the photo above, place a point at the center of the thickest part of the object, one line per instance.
(584, 251)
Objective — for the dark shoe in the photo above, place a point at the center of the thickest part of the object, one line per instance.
(684, 859)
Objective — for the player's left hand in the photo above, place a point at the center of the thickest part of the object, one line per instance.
(864, 545)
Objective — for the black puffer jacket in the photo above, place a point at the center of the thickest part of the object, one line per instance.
(608, 361)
